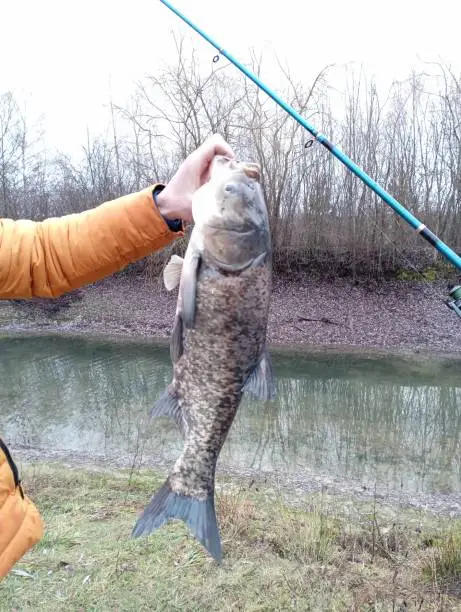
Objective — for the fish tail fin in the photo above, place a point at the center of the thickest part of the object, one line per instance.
(199, 516)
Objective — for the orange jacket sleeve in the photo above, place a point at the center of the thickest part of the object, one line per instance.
(49, 258)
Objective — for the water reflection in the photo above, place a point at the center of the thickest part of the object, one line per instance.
(390, 421)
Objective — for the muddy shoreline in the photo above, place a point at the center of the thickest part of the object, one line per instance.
(290, 486)
(393, 316)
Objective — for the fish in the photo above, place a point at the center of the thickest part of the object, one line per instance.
(218, 345)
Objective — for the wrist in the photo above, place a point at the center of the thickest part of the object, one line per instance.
(164, 207)
(164, 203)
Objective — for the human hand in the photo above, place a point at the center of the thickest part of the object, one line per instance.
(175, 200)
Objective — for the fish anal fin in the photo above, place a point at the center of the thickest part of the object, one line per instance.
(168, 405)
(198, 515)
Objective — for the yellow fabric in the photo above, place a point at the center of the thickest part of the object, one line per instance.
(47, 259)
(51, 257)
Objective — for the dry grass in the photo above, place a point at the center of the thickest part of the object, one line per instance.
(276, 556)
(443, 564)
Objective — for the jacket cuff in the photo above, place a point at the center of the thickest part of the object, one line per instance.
(175, 225)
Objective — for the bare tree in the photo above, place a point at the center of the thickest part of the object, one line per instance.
(322, 217)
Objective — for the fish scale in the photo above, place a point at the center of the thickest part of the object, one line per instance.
(221, 357)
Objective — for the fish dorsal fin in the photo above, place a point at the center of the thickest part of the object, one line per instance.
(172, 272)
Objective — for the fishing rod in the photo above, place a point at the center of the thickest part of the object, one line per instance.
(415, 223)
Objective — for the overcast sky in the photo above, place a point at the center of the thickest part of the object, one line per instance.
(63, 58)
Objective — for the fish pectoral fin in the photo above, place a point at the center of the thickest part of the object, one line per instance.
(168, 405)
(259, 260)
(172, 272)
(261, 381)
(176, 344)
(189, 287)
(199, 516)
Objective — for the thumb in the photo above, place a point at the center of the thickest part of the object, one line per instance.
(214, 145)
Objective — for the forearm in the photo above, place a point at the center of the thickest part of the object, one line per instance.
(49, 258)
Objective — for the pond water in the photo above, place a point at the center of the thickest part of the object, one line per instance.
(391, 421)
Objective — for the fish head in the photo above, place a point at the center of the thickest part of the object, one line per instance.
(231, 215)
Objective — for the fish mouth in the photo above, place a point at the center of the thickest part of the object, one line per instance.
(233, 230)
(250, 169)
(233, 267)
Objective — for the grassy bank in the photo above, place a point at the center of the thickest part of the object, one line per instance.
(321, 554)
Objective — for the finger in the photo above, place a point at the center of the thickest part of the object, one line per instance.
(221, 147)
(215, 145)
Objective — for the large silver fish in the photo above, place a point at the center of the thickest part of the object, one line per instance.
(218, 344)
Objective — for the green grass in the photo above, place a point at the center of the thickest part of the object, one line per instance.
(440, 270)
(325, 553)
